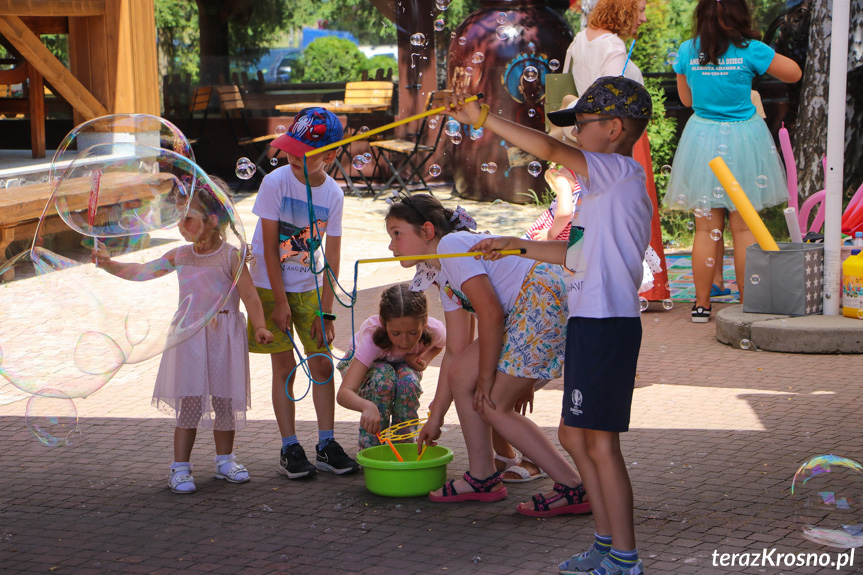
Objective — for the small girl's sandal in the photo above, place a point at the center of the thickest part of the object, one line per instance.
(515, 467)
(230, 470)
(483, 490)
(574, 496)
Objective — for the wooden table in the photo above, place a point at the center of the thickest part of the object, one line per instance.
(347, 110)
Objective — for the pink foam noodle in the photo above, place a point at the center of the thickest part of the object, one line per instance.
(803, 217)
(790, 166)
(93, 205)
(852, 219)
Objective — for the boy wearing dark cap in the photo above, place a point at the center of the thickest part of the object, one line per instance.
(287, 287)
(604, 253)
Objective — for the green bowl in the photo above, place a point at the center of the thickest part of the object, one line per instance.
(387, 476)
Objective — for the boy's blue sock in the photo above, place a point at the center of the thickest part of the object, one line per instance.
(325, 437)
(602, 543)
(624, 559)
(287, 441)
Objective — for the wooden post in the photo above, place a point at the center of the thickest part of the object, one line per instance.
(417, 64)
(36, 97)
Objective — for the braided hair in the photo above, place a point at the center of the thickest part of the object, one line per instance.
(399, 301)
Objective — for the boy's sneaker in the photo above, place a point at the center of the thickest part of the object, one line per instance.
(333, 458)
(590, 559)
(609, 567)
(700, 314)
(294, 463)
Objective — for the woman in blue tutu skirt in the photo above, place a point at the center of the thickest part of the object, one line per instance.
(714, 76)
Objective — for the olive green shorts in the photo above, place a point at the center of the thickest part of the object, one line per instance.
(303, 307)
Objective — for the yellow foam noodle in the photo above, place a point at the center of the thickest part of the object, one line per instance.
(743, 205)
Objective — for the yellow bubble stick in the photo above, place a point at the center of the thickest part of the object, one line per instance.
(743, 205)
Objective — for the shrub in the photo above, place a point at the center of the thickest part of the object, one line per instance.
(380, 62)
(331, 59)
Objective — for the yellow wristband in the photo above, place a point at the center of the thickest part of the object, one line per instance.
(483, 114)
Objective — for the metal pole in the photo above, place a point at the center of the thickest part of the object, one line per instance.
(835, 156)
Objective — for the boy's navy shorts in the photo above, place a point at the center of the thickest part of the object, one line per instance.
(599, 372)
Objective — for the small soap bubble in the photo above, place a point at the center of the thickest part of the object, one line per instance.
(434, 170)
(476, 134)
(761, 181)
(367, 157)
(462, 40)
(724, 128)
(439, 24)
(531, 113)
(663, 348)
(718, 192)
(491, 168)
(721, 149)
(418, 39)
(553, 64)
(478, 559)
(699, 213)
(456, 139)
(690, 225)
(530, 74)
(477, 57)
(665, 170)
(667, 304)
(672, 58)
(358, 162)
(442, 5)
(501, 17)
(709, 262)
(451, 128)
(433, 123)
(484, 168)
(701, 55)
(245, 169)
(502, 211)
(51, 416)
(681, 199)
(274, 162)
(534, 169)
(502, 32)
(468, 71)
(745, 344)
(715, 234)
(755, 279)
(281, 130)
(643, 303)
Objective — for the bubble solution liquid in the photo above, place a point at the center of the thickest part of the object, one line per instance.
(852, 285)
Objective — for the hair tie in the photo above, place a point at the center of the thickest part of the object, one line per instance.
(462, 219)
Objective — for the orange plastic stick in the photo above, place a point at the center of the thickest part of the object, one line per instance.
(393, 447)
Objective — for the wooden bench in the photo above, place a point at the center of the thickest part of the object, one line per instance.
(22, 207)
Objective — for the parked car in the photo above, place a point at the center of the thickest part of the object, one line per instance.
(278, 64)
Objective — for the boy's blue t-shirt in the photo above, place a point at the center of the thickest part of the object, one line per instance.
(723, 91)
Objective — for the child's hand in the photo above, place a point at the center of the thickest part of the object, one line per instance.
(263, 335)
(464, 113)
(491, 248)
(524, 402)
(416, 362)
(540, 235)
(482, 395)
(101, 256)
(329, 332)
(282, 317)
(429, 433)
(370, 420)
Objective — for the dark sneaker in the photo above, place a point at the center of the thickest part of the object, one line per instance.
(333, 458)
(294, 463)
(700, 314)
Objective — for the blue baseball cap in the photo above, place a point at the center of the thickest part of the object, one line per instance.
(312, 128)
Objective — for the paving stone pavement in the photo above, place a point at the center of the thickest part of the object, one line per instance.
(717, 434)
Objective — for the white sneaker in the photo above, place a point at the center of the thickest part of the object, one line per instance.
(181, 480)
(229, 470)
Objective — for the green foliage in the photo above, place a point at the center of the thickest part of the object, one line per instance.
(331, 59)
(669, 23)
(662, 134)
(375, 63)
(177, 36)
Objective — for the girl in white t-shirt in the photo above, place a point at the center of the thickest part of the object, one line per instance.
(520, 309)
(391, 351)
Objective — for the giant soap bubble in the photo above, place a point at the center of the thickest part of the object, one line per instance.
(827, 491)
(67, 326)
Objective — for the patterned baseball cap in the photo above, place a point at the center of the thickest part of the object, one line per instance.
(312, 128)
(609, 96)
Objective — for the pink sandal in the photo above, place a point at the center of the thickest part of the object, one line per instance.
(573, 495)
(482, 490)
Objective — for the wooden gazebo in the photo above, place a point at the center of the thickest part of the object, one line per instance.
(112, 58)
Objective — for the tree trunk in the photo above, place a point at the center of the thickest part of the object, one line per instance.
(811, 144)
(214, 41)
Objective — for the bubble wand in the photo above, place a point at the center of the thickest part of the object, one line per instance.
(515, 252)
(628, 56)
(385, 127)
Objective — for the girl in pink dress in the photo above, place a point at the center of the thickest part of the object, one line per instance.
(204, 379)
